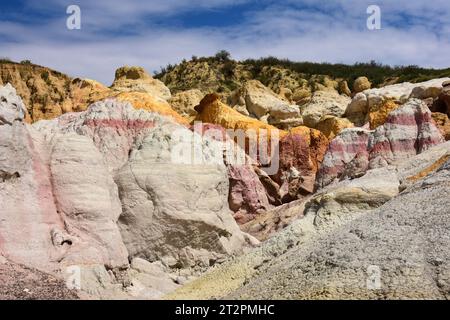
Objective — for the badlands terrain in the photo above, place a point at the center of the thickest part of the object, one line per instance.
(93, 204)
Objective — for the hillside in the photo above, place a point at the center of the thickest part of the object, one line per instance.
(47, 93)
(40, 88)
(220, 73)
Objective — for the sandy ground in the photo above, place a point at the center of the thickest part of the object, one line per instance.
(18, 282)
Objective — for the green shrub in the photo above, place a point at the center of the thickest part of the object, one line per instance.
(46, 77)
(377, 72)
(223, 55)
(228, 69)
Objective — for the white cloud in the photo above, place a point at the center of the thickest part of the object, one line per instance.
(101, 15)
(334, 31)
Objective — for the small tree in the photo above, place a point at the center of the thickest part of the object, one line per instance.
(46, 77)
(223, 55)
(228, 69)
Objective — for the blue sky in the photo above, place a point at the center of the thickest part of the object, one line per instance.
(154, 33)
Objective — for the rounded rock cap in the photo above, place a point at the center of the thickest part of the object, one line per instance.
(446, 84)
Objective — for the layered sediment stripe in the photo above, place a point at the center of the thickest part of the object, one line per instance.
(120, 124)
(341, 151)
(410, 118)
(408, 130)
(114, 127)
(247, 196)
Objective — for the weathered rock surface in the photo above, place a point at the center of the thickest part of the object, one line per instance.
(46, 220)
(144, 101)
(136, 79)
(248, 196)
(349, 226)
(82, 93)
(184, 102)
(392, 141)
(94, 188)
(297, 158)
(301, 95)
(114, 127)
(151, 280)
(426, 171)
(344, 89)
(443, 123)
(90, 215)
(48, 94)
(28, 211)
(324, 103)
(361, 84)
(137, 141)
(212, 110)
(260, 102)
(409, 130)
(85, 92)
(370, 100)
(251, 189)
(331, 126)
(442, 103)
(349, 148)
(405, 242)
(11, 106)
(193, 228)
(41, 89)
(429, 89)
(357, 109)
(378, 114)
(270, 222)
(316, 141)
(324, 83)
(300, 155)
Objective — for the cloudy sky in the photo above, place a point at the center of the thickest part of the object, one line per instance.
(154, 33)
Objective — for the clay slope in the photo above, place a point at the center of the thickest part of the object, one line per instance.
(43, 90)
(101, 188)
(22, 283)
(47, 94)
(406, 240)
(389, 221)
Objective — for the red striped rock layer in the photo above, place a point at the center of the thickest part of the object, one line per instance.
(115, 127)
(59, 204)
(248, 196)
(96, 187)
(409, 130)
(252, 190)
(296, 172)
